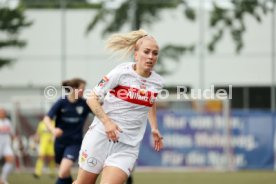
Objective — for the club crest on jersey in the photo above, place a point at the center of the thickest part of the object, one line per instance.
(79, 109)
(143, 86)
(103, 81)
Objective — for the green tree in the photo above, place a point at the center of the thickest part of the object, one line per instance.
(12, 21)
(147, 12)
(233, 20)
(55, 4)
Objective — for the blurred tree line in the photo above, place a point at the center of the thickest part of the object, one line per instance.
(137, 14)
(57, 4)
(221, 21)
(12, 21)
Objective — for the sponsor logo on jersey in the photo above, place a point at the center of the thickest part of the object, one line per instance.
(103, 81)
(5, 129)
(135, 95)
(142, 92)
(143, 80)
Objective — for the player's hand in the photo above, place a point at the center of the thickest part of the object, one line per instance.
(57, 132)
(35, 137)
(158, 139)
(112, 131)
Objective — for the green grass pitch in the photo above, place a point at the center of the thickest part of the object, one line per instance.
(243, 177)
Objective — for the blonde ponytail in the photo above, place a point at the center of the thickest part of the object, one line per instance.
(125, 42)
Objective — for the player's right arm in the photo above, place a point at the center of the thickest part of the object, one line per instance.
(112, 130)
(57, 132)
(94, 102)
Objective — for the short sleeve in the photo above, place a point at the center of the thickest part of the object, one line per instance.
(55, 109)
(108, 82)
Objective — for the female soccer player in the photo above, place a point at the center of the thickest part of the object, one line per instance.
(128, 93)
(69, 113)
(46, 149)
(6, 132)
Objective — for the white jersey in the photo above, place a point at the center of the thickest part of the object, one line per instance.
(5, 130)
(127, 98)
(5, 137)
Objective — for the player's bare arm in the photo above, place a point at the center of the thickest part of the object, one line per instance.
(112, 130)
(57, 132)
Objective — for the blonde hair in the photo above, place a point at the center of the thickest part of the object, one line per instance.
(126, 42)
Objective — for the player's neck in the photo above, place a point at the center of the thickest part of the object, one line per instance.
(71, 98)
(141, 72)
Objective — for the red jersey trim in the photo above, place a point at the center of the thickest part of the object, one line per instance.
(134, 95)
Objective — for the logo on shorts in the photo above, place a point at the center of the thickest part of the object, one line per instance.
(92, 162)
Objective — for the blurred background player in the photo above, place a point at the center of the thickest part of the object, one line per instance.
(46, 149)
(6, 152)
(70, 113)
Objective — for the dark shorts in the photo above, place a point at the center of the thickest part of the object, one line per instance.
(70, 152)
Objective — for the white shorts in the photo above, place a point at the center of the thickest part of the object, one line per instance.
(5, 148)
(97, 152)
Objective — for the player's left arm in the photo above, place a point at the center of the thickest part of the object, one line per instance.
(158, 139)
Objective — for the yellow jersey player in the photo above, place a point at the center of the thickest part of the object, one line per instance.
(46, 149)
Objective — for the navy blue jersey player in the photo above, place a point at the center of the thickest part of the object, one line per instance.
(69, 114)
